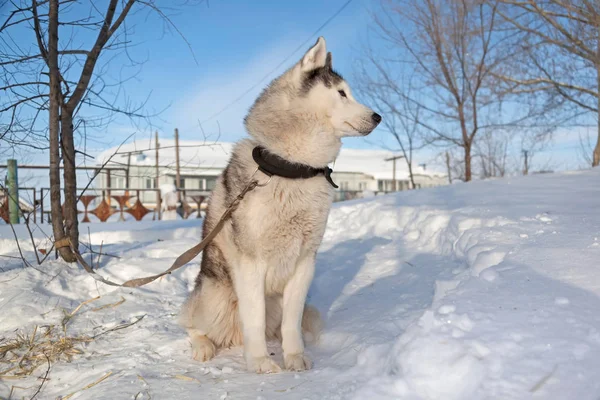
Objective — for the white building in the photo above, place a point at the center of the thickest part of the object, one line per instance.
(201, 163)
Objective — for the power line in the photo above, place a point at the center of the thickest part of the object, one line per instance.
(280, 64)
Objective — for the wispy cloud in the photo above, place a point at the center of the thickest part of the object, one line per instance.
(214, 92)
(211, 93)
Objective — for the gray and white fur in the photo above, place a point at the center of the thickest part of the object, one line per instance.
(255, 274)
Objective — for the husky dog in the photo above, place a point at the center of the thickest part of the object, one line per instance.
(255, 274)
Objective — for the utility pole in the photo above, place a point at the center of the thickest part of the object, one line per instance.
(127, 178)
(526, 168)
(13, 192)
(127, 171)
(393, 160)
(108, 186)
(177, 172)
(158, 199)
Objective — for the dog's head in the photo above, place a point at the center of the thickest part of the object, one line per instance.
(303, 114)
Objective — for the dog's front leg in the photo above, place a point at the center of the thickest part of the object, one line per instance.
(294, 297)
(249, 281)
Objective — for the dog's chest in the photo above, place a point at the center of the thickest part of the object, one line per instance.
(289, 215)
(286, 223)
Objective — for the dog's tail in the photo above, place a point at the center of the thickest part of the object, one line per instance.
(312, 324)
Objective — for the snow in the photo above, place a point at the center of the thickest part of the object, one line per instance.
(486, 290)
(216, 155)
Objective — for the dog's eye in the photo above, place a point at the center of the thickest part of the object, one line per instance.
(342, 93)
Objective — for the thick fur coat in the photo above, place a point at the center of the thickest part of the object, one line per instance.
(255, 274)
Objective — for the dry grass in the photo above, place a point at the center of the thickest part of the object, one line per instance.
(186, 378)
(113, 305)
(86, 387)
(21, 355)
(24, 353)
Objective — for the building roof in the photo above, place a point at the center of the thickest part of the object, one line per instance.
(212, 157)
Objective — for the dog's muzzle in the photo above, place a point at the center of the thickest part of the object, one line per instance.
(376, 118)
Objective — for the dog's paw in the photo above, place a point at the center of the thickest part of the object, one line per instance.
(262, 365)
(203, 349)
(297, 362)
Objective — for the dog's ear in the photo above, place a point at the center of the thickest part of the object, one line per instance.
(328, 61)
(315, 57)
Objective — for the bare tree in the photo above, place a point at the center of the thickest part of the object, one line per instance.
(586, 149)
(55, 71)
(447, 162)
(492, 151)
(402, 115)
(560, 48)
(455, 166)
(530, 144)
(503, 152)
(453, 47)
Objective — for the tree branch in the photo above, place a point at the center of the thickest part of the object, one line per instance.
(38, 31)
(103, 36)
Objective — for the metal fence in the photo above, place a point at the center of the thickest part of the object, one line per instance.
(100, 204)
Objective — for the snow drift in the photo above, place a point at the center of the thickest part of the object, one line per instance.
(486, 290)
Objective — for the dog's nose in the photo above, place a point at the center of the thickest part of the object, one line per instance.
(376, 118)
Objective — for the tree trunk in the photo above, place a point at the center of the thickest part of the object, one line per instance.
(410, 174)
(466, 141)
(70, 177)
(448, 168)
(596, 156)
(484, 167)
(596, 153)
(467, 162)
(54, 130)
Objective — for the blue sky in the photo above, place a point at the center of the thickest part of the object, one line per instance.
(232, 46)
(235, 44)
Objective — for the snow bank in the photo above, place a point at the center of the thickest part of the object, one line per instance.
(487, 290)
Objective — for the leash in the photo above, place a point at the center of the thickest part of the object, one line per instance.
(183, 259)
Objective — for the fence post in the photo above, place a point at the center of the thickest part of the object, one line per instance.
(177, 169)
(42, 205)
(13, 192)
(108, 186)
(157, 178)
(34, 205)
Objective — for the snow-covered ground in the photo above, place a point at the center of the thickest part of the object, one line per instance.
(488, 290)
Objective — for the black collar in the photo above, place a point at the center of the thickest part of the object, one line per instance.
(271, 164)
